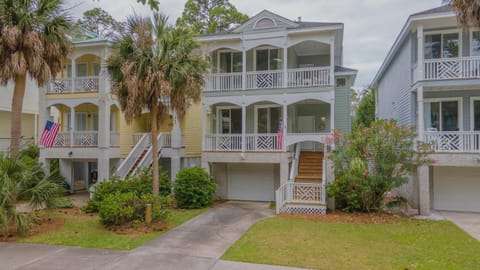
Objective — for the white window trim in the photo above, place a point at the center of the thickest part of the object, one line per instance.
(455, 31)
(266, 48)
(231, 53)
(255, 117)
(460, 109)
(271, 19)
(472, 120)
(219, 108)
(470, 41)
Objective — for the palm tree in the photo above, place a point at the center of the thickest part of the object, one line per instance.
(32, 44)
(468, 11)
(154, 66)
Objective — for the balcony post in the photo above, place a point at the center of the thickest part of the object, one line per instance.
(244, 123)
(285, 129)
(420, 121)
(74, 73)
(420, 54)
(244, 69)
(176, 132)
(285, 67)
(204, 126)
(332, 62)
(72, 126)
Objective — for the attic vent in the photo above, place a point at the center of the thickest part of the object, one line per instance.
(265, 23)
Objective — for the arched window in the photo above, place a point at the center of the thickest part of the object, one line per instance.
(265, 23)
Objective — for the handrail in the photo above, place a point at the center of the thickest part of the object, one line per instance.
(162, 142)
(295, 162)
(132, 157)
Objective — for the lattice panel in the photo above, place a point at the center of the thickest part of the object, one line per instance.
(265, 80)
(58, 86)
(304, 209)
(265, 142)
(90, 84)
(449, 69)
(448, 142)
(87, 140)
(307, 193)
(61, 140)
(224, 143)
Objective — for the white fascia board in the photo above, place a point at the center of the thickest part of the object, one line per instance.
(218, 37)
(315, 29)
(407, 28)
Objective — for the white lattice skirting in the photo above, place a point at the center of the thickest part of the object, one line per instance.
(304, 209)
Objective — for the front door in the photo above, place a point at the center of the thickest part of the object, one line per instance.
(306, 124)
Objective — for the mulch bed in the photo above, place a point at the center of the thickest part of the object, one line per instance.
(343, 217)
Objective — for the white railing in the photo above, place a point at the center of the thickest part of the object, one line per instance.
(454, 141)
(295, 162)
(136, 137)
(85, 138)
(166, 140)
(306, 77)
(224, 81)
(77, 84)
(452, 68)
(147, 159)
(223, 142)
(264, 79)
(62, 139)
(263, 142)
(299, 193)
(127, 164)
(114, 138)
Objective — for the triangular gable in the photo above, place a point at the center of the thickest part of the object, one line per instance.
(263, 17)
(80, 34)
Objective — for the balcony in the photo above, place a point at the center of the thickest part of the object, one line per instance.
(74, 85)
(293, 78)
(454, 141)
(83, 139)
(452, 68)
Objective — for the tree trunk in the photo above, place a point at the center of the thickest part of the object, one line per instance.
(16, 115)
(154, 133)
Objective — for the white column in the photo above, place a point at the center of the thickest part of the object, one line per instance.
(176, 132)
(174, 167)
(332, 113)
(244, 130)
(420, 54)
(284, 126)
(74, 74)
(103, 164)
(285, 67)
(423, 179)
(65, 167)
(204, 126)
(244, 69)
(420, 121)
(283, 171)
(72, 125)
(332, 62)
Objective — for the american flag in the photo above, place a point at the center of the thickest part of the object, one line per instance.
(49, 134)
(280, 134)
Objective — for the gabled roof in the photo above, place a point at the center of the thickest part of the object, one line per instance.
(265, 14)
(80, 35)
(444, 11)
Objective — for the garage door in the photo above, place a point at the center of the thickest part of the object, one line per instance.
(456, 189)
(252, 182)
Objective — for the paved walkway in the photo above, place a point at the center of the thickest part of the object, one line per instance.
(469, 222)
(198, 244)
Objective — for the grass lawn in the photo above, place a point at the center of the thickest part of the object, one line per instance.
(405, 244)
(86, 231)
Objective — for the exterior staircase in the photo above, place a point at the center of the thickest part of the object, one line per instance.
(310, 167)
(137, 162)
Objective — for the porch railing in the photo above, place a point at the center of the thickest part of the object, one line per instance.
(83, 139)
(77, 84)
(306, 77)
(454, 141)
(264, 79)
(224, 81)
(223, 142)
(263, 142)
(455, 68)
(299, 193)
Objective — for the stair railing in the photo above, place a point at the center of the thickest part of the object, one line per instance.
(162, 141)
(132, 157)
(295, 162)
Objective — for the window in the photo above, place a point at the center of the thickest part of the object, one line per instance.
(230, 62)
(96, 69)
(230, 121)
(265, 23)
(442, 115)
(476, 114)
(94, 121)
(442, 46)
(81, 70)
(475, 43)
(268, 119)
(267, 59)
(80, 121)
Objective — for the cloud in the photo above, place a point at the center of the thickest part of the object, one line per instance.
(371, 26)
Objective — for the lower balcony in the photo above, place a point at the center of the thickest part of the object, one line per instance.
(454, 141)
(83, 139)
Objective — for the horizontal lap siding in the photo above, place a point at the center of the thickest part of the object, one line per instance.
(343, 109)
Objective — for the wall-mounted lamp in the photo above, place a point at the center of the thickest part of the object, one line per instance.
(70, 154)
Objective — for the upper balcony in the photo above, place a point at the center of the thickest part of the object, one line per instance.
(305, 64)
(86, 79)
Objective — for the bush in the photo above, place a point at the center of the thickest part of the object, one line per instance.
(63, 203)
(122, 208)
(371, 161)
(194, 188)
(140, 185)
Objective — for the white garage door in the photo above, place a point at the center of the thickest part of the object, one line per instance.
(251, 182)
(456, 189)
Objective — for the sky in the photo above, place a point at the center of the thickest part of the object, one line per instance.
(371, 26)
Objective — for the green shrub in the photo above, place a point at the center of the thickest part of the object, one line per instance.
(194, 188)
(122, 208)
(63, 202)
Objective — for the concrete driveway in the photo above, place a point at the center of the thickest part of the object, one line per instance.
(469, 222)
(197, 244)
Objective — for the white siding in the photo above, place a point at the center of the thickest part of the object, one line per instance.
(30, 101)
